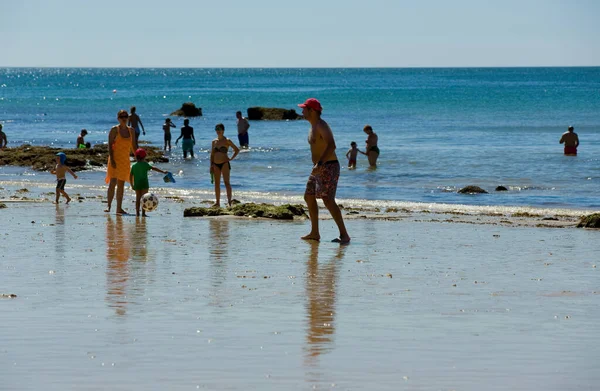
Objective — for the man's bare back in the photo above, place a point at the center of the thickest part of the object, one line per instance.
(570, 139)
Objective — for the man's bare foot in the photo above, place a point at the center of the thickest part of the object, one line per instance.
(107, 210)
(215, 205)
(143, 214)
(342, 240)
(311, 236)
(68, 200)
(121, 212)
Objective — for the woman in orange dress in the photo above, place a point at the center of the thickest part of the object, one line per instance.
(121, 142)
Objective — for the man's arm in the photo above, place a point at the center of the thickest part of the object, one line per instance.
(562, 139)
(576, 141)
(142, 125)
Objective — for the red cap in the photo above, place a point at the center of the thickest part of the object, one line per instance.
(140, 153)
(313, 104)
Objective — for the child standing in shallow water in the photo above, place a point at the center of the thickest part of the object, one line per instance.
(351, 155)
(60, 171)
(138, 178)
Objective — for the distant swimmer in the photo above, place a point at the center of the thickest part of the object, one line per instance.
(571, 141)
(81, 140)
(351, 155)
(135, 122)
(243, 125)
(187, 133)
(167, 129)
(372, 150)
(3, 140)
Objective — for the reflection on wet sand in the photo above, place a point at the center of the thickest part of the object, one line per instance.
(126, 255)
(61, 237)
(117, 256)
(321, 284)
(219, 241)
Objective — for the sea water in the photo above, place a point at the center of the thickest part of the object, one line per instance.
(439, 129)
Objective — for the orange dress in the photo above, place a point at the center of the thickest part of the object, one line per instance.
(121, 151)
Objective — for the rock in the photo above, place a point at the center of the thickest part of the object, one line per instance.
(2, 206)
(590, 221)
(283, 212)
(501, 188)
(188, 109)
(42, 158)
(269, 113)
(8, 295)
(472, 190)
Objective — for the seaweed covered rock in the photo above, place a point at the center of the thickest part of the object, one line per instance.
(501, 188)
(282, 212)
(2, 206)
(42, 158)
(273, 114)
(188, 109)
(472, 190)
(590, 221)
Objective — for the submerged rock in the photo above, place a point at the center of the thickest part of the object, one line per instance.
(42, 158)
(472, 190)
(2, 206)
(274, 114)
(501, 188)
(590, 221)
(282, 212)
(188, 109)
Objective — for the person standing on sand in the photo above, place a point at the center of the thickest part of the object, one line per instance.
(243, 125)
(371, 148)
(571, 141)
(60, 171)
(219, 163)
(121, 142)
(3, 140)
(135, 122)
(322, 182)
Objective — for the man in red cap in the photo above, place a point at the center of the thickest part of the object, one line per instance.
(322, 182)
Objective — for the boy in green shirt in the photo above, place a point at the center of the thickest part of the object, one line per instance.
(138, 178)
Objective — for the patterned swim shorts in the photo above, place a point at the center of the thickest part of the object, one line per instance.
(323, 180)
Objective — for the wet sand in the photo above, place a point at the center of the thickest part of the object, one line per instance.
(415, 303)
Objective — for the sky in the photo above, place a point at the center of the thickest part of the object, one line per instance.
(279, 33)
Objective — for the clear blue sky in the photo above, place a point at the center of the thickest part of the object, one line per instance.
(279, 33)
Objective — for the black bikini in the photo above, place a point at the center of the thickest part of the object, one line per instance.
(220, 165)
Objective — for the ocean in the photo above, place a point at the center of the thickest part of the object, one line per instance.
(439, 129)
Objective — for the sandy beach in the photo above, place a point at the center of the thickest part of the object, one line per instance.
(416, 302)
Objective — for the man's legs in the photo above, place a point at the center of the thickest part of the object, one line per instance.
(313, 213)
(336, 213)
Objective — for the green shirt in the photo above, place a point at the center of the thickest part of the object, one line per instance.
(139, 170)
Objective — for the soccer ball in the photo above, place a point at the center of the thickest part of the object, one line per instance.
(149, 202)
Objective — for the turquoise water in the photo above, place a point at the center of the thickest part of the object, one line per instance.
(439, 129)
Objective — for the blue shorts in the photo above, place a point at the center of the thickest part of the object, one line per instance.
(243, 139)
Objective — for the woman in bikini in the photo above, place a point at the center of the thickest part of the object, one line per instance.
(121, 142)
(371, 149)
(219, 162)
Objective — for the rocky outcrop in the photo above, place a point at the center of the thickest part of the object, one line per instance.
(501, 188)
(282, 212)
(590, 221)
(44, 158)
(273, 114)
(188, 109)
(472, 190)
